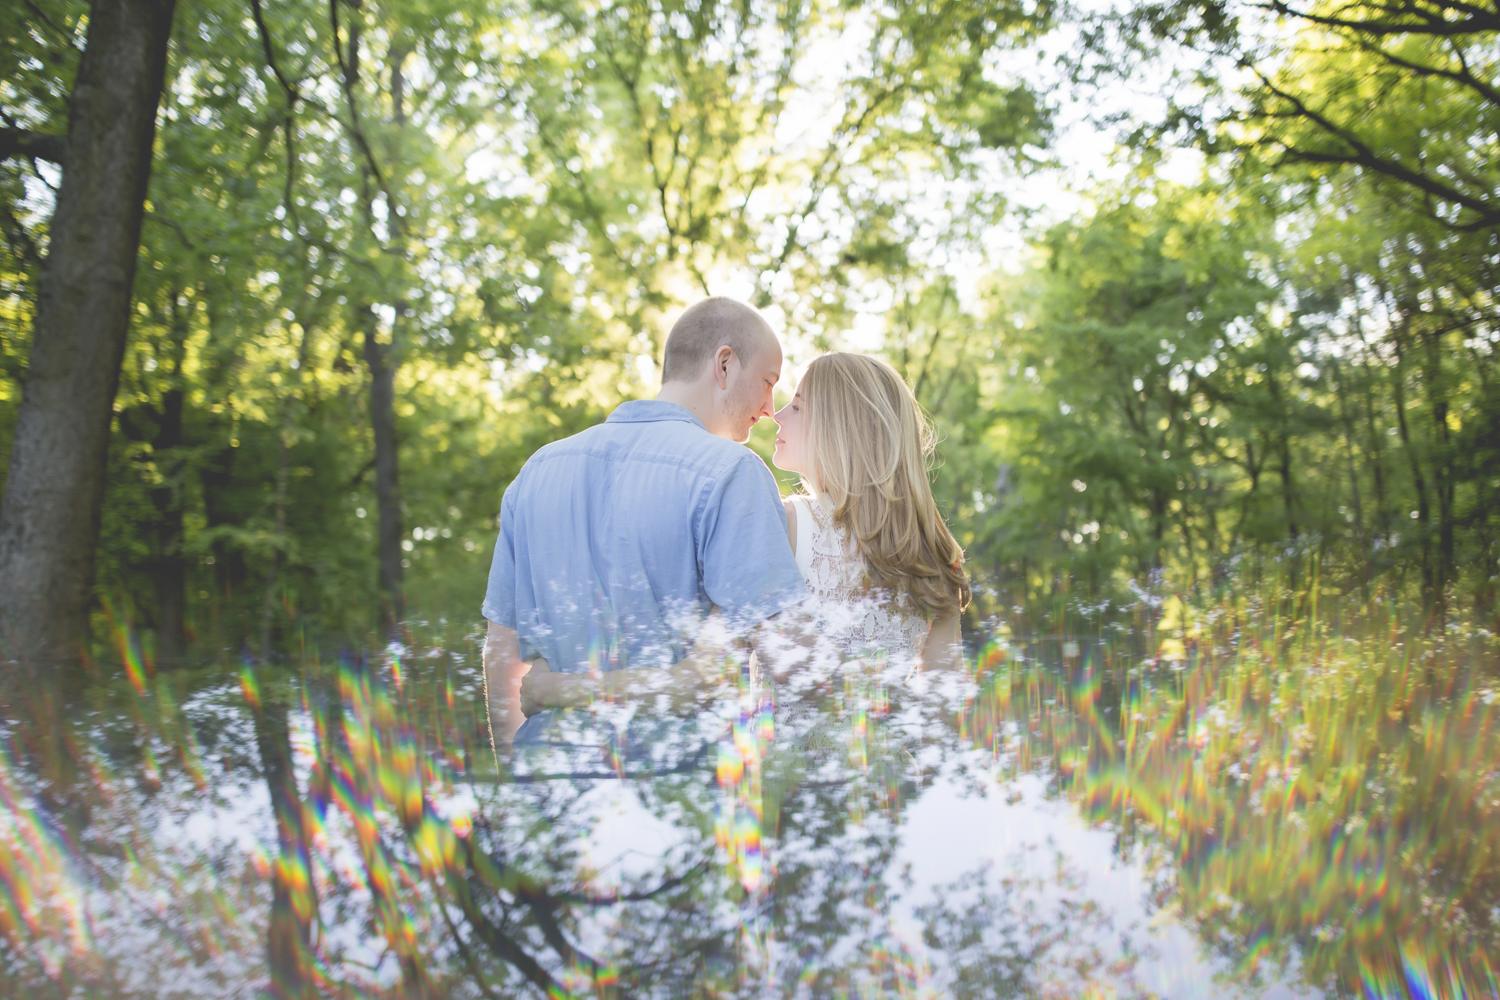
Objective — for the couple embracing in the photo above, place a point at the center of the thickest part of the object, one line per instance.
(634, 556)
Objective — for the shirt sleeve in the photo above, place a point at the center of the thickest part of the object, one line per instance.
(748, 567)
(500, 596)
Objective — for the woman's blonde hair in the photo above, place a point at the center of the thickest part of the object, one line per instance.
(868, 446)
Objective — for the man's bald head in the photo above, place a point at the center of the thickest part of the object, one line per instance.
(704, 328)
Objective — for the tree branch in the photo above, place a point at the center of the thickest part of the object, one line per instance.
(19, 238)
(347, 77)
(1361, 154)
(1461, 76)
(67, 36)
(287, 86)
(1478, 21)
(38, 145)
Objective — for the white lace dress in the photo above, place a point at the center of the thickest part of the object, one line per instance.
(835, 572)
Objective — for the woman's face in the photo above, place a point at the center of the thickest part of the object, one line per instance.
(791, 437)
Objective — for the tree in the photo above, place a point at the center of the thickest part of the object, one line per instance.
(1325, 96)
(1435, 59)
(49, 519)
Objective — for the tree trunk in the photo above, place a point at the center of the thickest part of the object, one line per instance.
(171, 564)
(171, 567)
(273, 569)
(1443, 473)
(1384, 522)
(381, 360)
(1424, 510)
(49, 520)
(1284, 466)
(1375, 452)
(293, 893)
(1359, 508)
(387, 472)
(1158, 526)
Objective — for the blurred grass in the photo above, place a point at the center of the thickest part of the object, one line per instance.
(1312, 790)
(1321, 786)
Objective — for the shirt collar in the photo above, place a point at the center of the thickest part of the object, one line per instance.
(640, 411)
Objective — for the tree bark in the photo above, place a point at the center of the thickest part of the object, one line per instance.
(1424, 509)
(171, 571)
(1444, 474)
(381, 359)
(273, 569)
(382, 362)
(1376, 449)
(1284, 467)
(171, 564)
(387, 472)
(1365, 562)
(49, 519)
(41, 145)
(294, 899)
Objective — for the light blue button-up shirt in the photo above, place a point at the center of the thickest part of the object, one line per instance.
(616, 542)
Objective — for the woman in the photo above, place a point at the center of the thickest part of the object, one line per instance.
(884, 568)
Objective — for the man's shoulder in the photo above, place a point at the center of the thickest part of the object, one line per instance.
(672, 443)
(584, 442)
(543, 456)
(719, 460)
(740, 458)
(572, 443)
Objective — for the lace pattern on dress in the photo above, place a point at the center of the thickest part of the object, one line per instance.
(835, 575)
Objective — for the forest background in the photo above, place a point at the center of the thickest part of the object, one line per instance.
(388, 248)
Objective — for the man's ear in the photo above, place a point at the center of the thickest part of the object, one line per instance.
(721, 366)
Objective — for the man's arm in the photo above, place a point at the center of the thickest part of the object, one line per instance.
(781, 643)
(682, 682)
(503, 670)
(784, 642)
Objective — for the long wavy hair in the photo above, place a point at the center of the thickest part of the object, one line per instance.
(869, 444)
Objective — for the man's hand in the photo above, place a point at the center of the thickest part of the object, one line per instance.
(536, 688)
(685, 685)
(542, 689)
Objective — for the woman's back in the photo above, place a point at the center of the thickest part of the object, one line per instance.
(835, 574)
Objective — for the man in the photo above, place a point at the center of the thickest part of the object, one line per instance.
(615, 543)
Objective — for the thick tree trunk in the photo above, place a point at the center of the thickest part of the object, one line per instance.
(49, 520)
